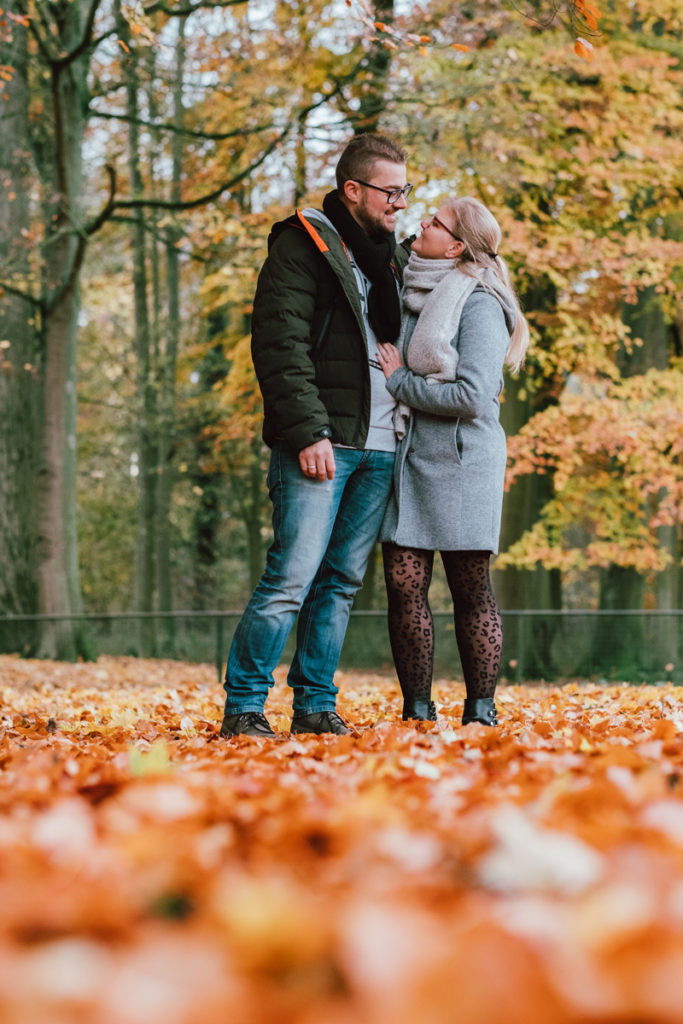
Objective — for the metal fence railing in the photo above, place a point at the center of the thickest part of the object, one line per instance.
(629, 646)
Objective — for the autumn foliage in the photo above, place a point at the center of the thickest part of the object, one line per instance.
(150, 871)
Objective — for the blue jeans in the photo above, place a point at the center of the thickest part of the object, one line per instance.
(324, 532)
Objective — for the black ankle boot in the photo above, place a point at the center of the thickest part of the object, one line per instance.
(419, 710)
(482, 710)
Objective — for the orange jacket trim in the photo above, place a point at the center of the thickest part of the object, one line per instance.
(320, 243)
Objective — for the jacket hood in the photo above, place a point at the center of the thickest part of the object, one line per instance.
(280, 226)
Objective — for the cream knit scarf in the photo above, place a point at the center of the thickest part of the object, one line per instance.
(437, 292)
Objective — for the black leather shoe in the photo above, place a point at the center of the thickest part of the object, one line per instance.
(320, 722)
(419, 710)
(247, 723)
(482, 711)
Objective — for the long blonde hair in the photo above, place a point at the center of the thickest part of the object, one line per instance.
(480, 233)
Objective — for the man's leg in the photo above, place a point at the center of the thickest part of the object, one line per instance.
(325, 612)
(304, 513)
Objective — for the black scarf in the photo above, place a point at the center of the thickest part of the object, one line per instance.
(373, 256)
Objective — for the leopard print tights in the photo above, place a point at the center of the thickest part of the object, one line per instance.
(478, 626)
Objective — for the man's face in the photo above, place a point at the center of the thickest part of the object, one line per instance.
(369, 206)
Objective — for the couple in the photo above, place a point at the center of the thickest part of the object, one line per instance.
(380, 367)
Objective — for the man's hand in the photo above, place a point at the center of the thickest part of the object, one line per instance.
(317, 461)
(389, 358)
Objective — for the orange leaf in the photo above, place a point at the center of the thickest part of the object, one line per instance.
(584, 49)
(461, 47)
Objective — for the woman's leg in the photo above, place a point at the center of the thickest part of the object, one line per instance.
(478, 624)
(408, 573)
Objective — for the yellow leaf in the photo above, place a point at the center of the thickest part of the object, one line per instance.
(155, 762)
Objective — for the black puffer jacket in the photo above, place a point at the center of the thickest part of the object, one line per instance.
(308, 337)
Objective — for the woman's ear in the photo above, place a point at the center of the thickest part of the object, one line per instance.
(455, 249)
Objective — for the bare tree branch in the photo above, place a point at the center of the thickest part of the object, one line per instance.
(86, 38)
(6, 287)
(182, 12)
(191, 204)
(70, 278)
(108, 207)
(153, 231)
(191, 132)
(42, 43)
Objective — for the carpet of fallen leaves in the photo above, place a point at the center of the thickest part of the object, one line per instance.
(152, 872)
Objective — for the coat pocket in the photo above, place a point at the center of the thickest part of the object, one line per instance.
(459, 444)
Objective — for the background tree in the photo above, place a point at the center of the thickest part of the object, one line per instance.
(19, 341)
(212, 121)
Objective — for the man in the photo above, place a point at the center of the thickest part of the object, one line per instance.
(327, 293)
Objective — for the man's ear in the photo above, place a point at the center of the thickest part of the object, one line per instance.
(351, 191)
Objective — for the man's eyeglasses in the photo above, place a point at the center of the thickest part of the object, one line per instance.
(393, 194)
(435, 220)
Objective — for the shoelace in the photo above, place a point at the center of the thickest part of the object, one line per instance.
(254, 717)
(334, 718)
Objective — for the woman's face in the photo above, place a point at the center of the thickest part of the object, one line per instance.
(437, 239)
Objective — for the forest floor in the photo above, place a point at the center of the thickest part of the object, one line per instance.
(152, 872)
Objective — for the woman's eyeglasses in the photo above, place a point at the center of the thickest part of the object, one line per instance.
(393, 194)
(440, 223)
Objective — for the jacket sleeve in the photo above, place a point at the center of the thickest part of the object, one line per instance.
(481, 343)
(284, 305)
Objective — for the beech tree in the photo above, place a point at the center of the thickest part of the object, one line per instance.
(49, 52)
(20, 342)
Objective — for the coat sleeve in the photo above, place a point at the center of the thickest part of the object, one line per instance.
(284, 305)
(481, 344)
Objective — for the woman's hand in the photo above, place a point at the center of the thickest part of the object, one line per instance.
(389, 358)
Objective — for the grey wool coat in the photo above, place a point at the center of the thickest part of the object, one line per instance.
(450, 466)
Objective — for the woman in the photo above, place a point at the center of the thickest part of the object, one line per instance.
(461, 324)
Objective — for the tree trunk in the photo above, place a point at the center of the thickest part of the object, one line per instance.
(531, 647)
(665, 632)
(373, 93)
(60, 167)
(19, 363)
(170, 358)
(619, 648)
(365, 598)
(145, 384)
(253, 516)
(300, 158)
(56, 506)
(618, 651)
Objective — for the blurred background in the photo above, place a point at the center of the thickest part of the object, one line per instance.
(146, 151)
